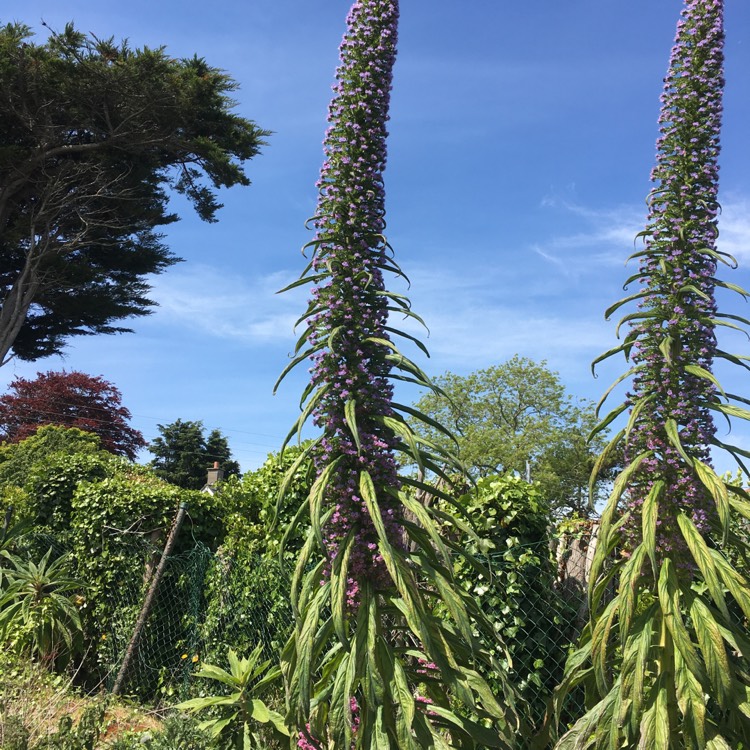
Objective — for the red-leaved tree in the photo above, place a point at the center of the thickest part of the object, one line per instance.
(69, 399)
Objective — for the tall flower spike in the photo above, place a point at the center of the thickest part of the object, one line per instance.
(367, 581)
(678, 613)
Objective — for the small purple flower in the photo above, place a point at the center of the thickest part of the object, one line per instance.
(676, 340)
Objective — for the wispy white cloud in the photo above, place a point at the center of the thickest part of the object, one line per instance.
(477, 320)
(610, 233)
(734, 228)
(247, 310)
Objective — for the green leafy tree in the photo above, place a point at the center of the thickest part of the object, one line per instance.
(93, 136)
(183, 454)
(18, 461)
(516, 417)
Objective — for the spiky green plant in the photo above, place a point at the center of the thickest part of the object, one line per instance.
(243, 712)
(38, 612)
(384, 651)
(666, 658)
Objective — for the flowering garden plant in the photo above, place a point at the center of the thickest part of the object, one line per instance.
(666, 659)
(370, 651)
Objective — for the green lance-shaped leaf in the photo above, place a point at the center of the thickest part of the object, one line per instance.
(731, 410)
(673, 435)
(295, 361)
(624, 376)
(424, 417)
(413, 339)
(304, 642)
(703, 559)
(478, 733)
(726, 324)
(732, 287)
(669, 599)
(718, 491)
(600, 645)
(317, 496)
(625, 347)
(596, 724)
(630, 581)
(701, 372)
(305, 280)
(350, 413)
(340, 710)
(635, 413)
(601, 461)
(339, 585)
(624, 301)
(606, 421)
(649, 516)
(713, 650)
(636, 316)
(610, 510)
(736, 583)
(305, 415)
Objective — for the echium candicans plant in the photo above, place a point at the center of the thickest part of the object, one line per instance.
(666, 659)
(384, 650)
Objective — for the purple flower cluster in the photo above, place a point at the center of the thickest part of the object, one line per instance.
(350, 309)
(675, 340)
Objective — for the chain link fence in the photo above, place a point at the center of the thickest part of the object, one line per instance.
(208, 602)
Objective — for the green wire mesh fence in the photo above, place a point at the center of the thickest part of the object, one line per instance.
(208, 602)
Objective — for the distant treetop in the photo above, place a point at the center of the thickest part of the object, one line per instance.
(69, 399)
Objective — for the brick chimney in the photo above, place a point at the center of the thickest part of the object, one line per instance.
(215, 474)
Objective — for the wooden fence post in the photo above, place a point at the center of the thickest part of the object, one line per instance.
(132, 648)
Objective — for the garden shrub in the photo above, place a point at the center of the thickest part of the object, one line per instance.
(512, 520)
(247, 585)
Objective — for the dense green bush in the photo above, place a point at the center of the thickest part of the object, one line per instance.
(247, 586)
(512, 521)
(112, 518)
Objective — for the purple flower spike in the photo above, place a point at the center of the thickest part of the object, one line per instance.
(673, 332)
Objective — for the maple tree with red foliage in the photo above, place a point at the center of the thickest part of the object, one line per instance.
(69, 399)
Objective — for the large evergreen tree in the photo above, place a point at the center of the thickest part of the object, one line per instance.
(183, 454)
(92, 136)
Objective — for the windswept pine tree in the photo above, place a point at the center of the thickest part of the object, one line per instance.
(666, 661)
(371, 662)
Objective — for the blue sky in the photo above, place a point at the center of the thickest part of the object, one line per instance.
(522, 137)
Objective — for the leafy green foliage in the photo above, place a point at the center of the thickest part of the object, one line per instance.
(112, 517)
(82, 735)
(242, 711)
(18, 460)
(178, 732)
(516, 587)
(261, 519)
(241, 609)
(93, 135)
(39, 609)
(516, 417)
